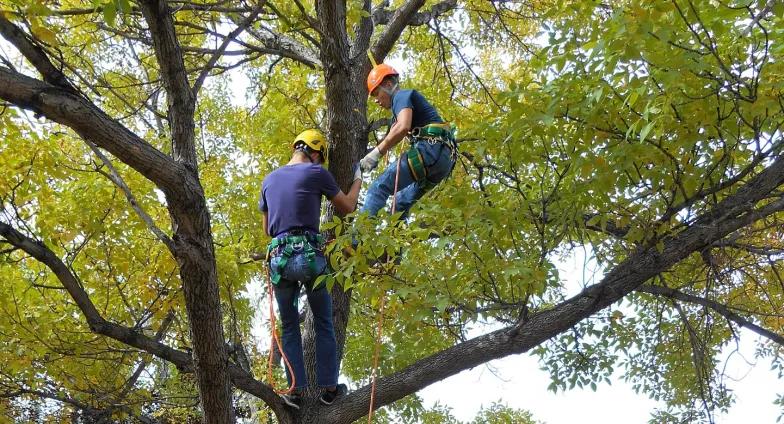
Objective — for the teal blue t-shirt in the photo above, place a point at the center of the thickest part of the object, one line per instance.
(423, 112)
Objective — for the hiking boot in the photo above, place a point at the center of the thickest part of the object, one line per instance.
(293, 400)
(328, 397)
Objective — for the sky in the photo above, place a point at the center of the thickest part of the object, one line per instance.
(526, 388)
(519, 382)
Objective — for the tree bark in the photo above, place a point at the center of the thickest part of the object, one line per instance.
(194, 248)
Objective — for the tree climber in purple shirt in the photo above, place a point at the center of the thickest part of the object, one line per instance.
(291, 205)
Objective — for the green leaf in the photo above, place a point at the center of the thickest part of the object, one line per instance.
(645, 130)
(110, 12)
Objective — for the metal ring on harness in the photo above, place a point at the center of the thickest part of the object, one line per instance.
(443, 132)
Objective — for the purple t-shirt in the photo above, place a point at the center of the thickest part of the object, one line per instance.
(291, 195)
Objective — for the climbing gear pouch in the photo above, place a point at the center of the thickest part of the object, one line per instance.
(296, 256)
(436, 133)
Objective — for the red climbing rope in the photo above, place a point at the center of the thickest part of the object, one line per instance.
(275, 342)
(377, 348)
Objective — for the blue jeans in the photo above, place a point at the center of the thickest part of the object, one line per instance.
(438, 161)
(296, 274)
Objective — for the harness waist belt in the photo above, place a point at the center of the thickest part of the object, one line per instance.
(434, 130)
(301, 241)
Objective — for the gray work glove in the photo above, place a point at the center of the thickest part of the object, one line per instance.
(370, 161)
(357, 172)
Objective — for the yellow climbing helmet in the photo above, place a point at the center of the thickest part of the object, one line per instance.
(314, 139)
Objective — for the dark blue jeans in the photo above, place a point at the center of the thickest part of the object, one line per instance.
(297, 274)
(438, 161)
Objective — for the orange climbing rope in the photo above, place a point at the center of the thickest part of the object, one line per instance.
(377, 348)
(275, 342)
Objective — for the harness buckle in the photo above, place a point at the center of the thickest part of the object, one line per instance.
(299, 244)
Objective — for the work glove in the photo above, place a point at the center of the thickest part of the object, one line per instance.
(370, 161)
(357, 172)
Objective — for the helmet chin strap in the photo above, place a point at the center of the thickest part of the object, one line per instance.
(389, 91)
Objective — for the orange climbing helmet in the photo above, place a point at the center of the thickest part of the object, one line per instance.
(377, 75)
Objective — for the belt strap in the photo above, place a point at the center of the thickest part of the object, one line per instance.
(440, 129)
(441, 132)
(416, 164)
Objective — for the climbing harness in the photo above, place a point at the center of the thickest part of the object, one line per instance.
(299, 242)
(290, 243)
(432, 134)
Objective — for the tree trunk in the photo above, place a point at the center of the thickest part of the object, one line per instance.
(346, 104)
(196, 260)
(194, 248)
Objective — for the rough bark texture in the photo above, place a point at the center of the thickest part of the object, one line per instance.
(345, 129)
(194, 248)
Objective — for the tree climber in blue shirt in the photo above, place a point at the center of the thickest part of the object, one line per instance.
(291, 205)
(433, 149)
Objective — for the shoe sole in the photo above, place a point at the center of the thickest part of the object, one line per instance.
(340, 392)
(289, 403)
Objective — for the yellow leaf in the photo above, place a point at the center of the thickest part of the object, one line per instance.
(43, 33)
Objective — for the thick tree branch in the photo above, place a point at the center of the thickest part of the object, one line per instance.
(729, 215)
(35, 54)
(241, 379)
(721, 309)
(92, 124)
(285, 46)
(363, 31)
(396, 21)
(96, 322)
(334, 42)
(182, 100)
(191, 225)
(396, 24)
(382, 16)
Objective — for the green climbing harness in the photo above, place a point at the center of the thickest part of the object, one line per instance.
(301, 243)
(432, 133)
